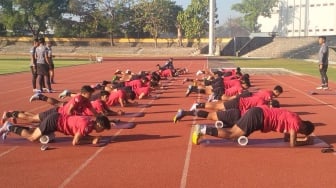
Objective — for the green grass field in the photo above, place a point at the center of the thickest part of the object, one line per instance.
(300, 66)
(15, 65)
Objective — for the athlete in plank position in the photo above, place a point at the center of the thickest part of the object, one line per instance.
(266, 120)
(77, 126)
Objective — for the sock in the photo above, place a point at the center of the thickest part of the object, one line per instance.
(17, 129)
(14, 114)
(188, 113)
(212, 131)
(202, 113)
(194, 89)
(203, 130)
(202, 91)
(200, 105)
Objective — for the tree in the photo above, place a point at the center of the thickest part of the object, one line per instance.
(233, 27)
(194, 20)
(252, 9)
(38, 14)
(156, 16)
(114, 14)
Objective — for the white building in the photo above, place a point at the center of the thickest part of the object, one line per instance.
(295, 18)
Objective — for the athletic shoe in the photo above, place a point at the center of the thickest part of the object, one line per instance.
(320, 87)
(199, 73)
(194, 106)
(325, 87)
(4, 130)
(4, 117)
(179, 115)
(45, 90)
(188, 90)
(196, 134)
(7, 115)
(35, 97)
(50, 91)
(184, 80)
(64, 94)
(36, 91)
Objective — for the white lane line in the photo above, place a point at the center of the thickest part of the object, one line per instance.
(185, 171)
(87, 162)
(8, 151)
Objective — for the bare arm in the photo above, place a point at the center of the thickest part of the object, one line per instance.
(79, 139)
(296, 141)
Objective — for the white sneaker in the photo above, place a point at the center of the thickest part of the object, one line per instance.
(4, 130)
(199, 73)
(320, 87)
(193, 107)
(36, 91)
(64, 94)
(35, 97)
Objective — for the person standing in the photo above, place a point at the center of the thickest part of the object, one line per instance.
(323, 62)
(42, 62)
(33, 64)
(51, 61)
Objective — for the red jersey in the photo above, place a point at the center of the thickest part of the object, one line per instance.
(264, 94)
(231, 83)
(166, 73)
(245, 103)
(99, 105)
(234, 90)
(228, 78)
(134, 84)
(140, 90)
(70, 125)
(79, 103)
(115, 96)
(280, 120)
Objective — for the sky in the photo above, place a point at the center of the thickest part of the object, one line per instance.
(223, 8)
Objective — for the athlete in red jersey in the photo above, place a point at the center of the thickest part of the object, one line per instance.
(241, 103)
(264, 119)
(77, 126)
(117, 96)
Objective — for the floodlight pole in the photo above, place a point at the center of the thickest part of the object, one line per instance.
(211, 27)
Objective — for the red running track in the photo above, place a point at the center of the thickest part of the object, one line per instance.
(158, 153)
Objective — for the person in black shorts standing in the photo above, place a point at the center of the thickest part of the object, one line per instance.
(33, 65)
(51, 61)
(42, 62)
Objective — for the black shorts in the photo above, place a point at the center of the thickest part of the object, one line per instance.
(228, 117)
(245, 93)
(33, 70)
(51, 66)
(253, 120)
(232, 104)
(45, 114)
(42, 69)
(49, 124)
